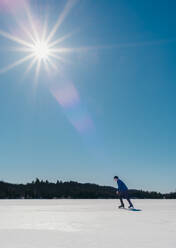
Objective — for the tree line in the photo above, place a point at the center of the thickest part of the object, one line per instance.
(40, 189)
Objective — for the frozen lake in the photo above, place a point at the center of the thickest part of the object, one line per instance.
(87, 223)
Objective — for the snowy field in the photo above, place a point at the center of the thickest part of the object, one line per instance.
(87, 224)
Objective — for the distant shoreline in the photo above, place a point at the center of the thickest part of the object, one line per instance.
(40, 189)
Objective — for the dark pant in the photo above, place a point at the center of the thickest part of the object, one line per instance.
(125, 195)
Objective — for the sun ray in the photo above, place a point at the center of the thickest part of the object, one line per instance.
(77, 49)
(30, 18)
(37, 70)
(34, 60)
(56, 42)
(14, 38)
(45, 28)
(46, 66)
(18, 62)
(52, 64)
(21, 49)
(69, 5)
(72, 50)
(59, 58)
(62, 50)
(27, 32)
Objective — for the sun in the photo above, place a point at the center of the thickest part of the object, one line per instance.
(37, 44)
(41, 50)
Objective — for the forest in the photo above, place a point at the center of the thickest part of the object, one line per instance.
(40, 189)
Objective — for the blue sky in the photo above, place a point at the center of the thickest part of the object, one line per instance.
(122, 87)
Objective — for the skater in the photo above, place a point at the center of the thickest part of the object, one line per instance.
(122, 191)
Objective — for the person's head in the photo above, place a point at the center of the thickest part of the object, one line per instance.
(116, 178)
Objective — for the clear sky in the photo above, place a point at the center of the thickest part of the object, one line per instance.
(106, 108)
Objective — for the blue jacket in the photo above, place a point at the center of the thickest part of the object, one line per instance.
(121, 186)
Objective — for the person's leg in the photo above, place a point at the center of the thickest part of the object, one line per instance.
(121, 199)
(128, 199)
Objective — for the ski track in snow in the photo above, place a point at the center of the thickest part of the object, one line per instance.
(87, 223)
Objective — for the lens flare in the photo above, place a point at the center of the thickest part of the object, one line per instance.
(41, 48)
(68, 97)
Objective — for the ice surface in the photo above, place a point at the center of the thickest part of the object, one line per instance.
(87, 224)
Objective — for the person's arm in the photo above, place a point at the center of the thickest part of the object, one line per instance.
(118, 188)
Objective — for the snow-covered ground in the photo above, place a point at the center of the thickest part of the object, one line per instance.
(87, 223)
